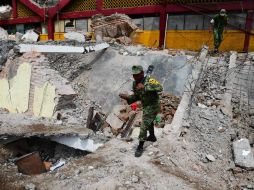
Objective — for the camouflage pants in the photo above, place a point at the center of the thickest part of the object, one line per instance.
(218, 36)
(149, 115)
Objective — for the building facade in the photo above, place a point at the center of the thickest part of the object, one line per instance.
(176, 24)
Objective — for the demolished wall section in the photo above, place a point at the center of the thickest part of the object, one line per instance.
(31, 86)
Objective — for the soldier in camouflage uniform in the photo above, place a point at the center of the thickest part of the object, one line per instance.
(218, 23)
(145, 89)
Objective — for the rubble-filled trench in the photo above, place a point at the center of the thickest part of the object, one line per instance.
(194, 148)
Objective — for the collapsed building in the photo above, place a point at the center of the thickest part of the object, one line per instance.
(63, 125)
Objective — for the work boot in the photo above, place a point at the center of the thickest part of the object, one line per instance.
(151, 138)
(139, 150)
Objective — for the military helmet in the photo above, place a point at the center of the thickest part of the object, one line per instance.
(136, 69)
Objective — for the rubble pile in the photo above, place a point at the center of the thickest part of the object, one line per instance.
(116, 26)
(169, 104)
(5, 12)
(212, 86)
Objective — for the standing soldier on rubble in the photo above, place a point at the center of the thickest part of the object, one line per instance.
(145, 89)
(218, 23)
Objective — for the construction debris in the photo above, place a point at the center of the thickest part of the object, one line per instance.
(117, 26)
(30, 36)
(5, 12)
(75, 36)
(34, 87)
(243, 154)
(61, 49)
(3, 34)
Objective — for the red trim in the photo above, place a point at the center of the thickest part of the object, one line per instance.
(77, 14)
(21, 20)
(33, 7)
(209, 7)
(99, 4)
(51, 29)
(14, 8)
(56, 9)
(129, 11)
(248, 28)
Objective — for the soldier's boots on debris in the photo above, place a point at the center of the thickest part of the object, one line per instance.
(151, 137)
(140, 149)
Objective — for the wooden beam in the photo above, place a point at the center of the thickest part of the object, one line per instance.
(35, 19)
(38, 10)
(52, 12)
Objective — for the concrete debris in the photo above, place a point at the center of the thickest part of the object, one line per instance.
(115, 26)
(210, 157)
(5, 12)
(3, 34)
(29, 85)
(57, 165)
(30, 36)
(30, 186)
(61, 49)
(169, 104)
(243, 154)
(76, 36)
(114, 122)
(78, 143)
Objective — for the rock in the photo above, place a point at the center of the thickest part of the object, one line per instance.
(76, 36)
(221, 129)
(5, 12)
(30, 186)
(30, 36)
(118, 109)
(134, 179)
(252, 122)
(202, 105)
(114, 122)
(77, 172)
(62, 177)
(210, 157)
(123, 150)
(3, 34)
(243, 154)
(90, 167)
(186, 124)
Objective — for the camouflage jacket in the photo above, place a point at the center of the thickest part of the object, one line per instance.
(148, 96)
(220, 22)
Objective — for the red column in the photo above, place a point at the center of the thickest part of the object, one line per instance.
(248, 27)
(99, 5)
(163, 20)
(51, 28)
(14, 8)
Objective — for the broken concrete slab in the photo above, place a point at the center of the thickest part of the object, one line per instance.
(243, 154)
(14, 95)
(118, 109)
(3, 34)
(114, 121)
(5, 12)
(44, 100)
(30, 85)
(76, 36)
(78, 143)
(61, 49)
(30, 36)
